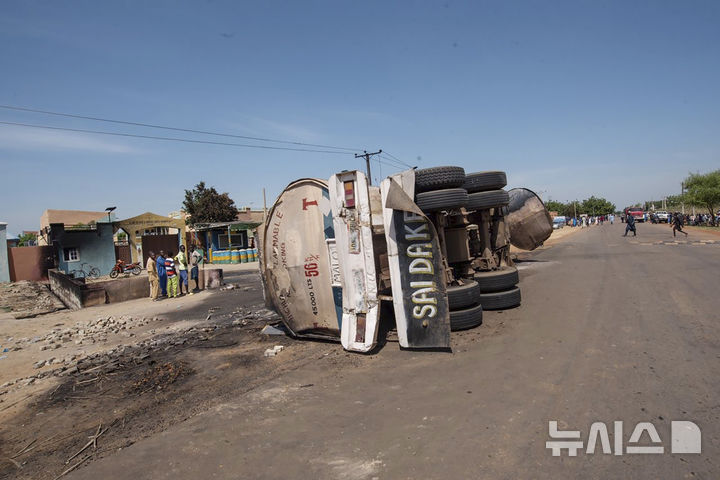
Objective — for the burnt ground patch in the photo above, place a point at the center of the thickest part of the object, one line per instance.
(112, 400)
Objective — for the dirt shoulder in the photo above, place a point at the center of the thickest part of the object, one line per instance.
(136, 375)
(556, 236)
(138, 365)
(714, 231)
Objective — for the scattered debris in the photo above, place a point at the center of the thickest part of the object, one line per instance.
(28, 299)
(93, 331)
(274, 330)
(271, 352)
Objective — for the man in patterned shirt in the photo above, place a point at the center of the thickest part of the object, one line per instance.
(172, 278)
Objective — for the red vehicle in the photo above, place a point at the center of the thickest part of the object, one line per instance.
(637, 212)
(122, 267)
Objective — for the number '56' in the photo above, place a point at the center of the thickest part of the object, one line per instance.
(311, 270)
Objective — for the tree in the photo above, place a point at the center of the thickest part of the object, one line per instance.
(704, 190)
(27, 239)
(206, 205)
(674, 201)
(555, 206)
(596, 206)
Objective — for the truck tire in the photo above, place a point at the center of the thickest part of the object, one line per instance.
(489, 199)
(500, 300)
(463, 296)
(484, 181)
(438, 178)
(441, 199)
(467, 318)
(497, 280)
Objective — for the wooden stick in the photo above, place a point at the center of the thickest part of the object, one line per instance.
(93, 441)
(56, 389)
(15, 403)
(86, 457)
(17, 465)
(88, 381)
(24, 448)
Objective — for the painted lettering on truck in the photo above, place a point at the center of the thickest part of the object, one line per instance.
(420, 267)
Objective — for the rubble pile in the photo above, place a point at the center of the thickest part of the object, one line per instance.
(81, 364)
(28, 299)
(109, 360)
(89, 332)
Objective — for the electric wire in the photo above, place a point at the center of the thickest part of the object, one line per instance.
(395, 163)
(173, 139)
(396, 159)
(389, 164)
(177, 129)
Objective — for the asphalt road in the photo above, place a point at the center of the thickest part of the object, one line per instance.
(610, 329)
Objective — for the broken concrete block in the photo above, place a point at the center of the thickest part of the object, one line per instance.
(271, 352)
(271, 330)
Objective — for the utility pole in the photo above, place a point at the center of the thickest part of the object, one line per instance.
(264, 206)
(367, 156)
(682, 195)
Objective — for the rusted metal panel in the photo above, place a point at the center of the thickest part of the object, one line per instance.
(529, 221)
(299, 264)
(416, 268)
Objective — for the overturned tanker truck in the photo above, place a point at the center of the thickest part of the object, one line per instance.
(428, 250)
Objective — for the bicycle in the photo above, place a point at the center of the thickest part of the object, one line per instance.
(92, 272)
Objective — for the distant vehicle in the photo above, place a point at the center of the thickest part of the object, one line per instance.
(636, 212)
(559, 222)
(662, 216)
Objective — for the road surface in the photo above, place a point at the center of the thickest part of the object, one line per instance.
(610, 329)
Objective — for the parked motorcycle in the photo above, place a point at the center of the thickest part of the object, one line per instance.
(122, 267)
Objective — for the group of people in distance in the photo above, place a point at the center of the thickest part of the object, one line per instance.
(677, 221)
(168, 274)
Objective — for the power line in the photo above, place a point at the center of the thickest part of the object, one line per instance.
(394, 162)
(392, 165)
(172, 139)
(397, 159)
(177, 129)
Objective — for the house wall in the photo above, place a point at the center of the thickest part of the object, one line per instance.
(30, 263)
(74, 293)
(4, 265)
(95, 247)
(214, 237)
(124, 289)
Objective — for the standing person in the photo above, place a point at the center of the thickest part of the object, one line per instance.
(153, 277)
(162, 276)
(678, 224)
(195, 261)
(182, 264)
(172, 278)
(630, 226)
(612, 219)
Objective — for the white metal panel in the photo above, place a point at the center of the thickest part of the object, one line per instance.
(354, 249)
(406, 180)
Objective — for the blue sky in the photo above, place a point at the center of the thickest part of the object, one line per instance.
(611, 98)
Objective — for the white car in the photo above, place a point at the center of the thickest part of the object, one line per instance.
(559, 222)
(662, 216)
